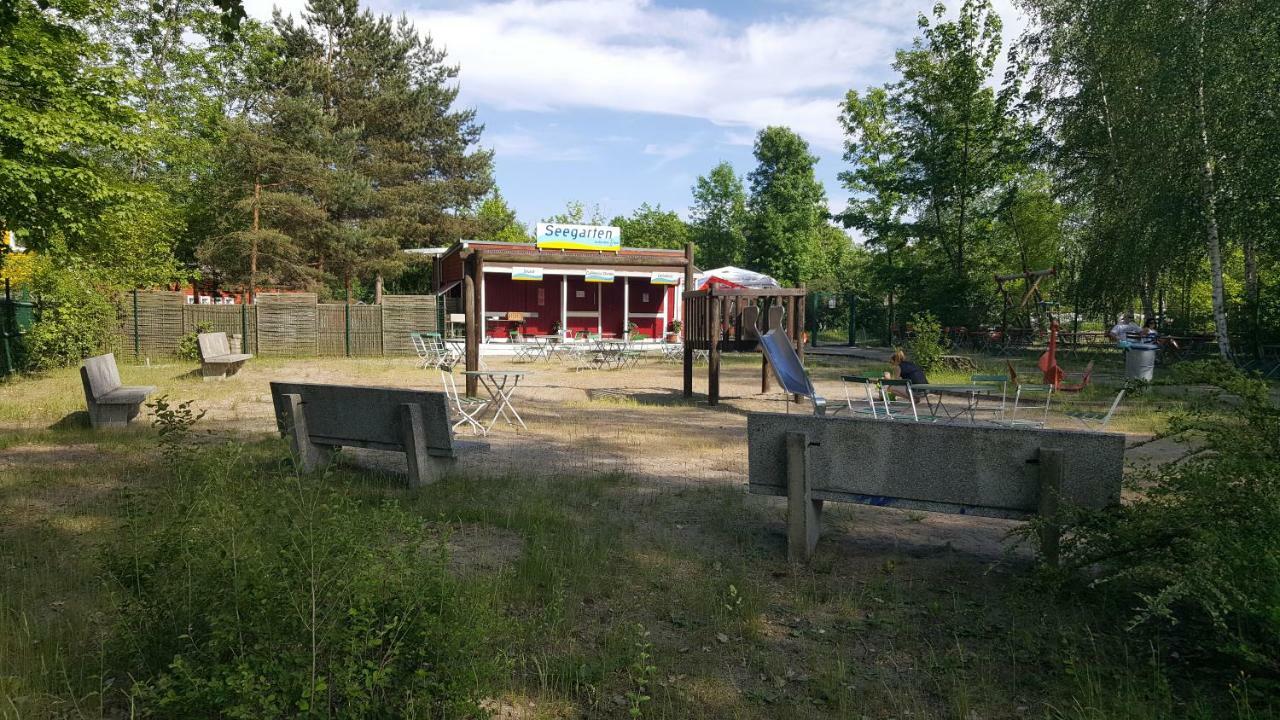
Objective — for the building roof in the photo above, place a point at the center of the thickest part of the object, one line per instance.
(489, 246)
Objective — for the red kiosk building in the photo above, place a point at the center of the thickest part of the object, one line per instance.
(562, 291)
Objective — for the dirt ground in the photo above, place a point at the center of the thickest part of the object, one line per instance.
(633, 422)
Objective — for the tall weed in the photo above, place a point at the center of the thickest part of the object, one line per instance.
(253, 594)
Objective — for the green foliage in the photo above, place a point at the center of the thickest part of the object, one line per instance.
(498, 221)
(578, 213)
(75, 315)
(933, 155)
(1198, 547)
(189, 344)
(925, 347)
(62, 115)
(718, 218)
(244, 594)
(788, 207)
(641, 672)
(652, 227)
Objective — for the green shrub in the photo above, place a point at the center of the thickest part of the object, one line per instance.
(925, 348)
(76, 316)
(1198, 548)
(253, 594)
(189, 344)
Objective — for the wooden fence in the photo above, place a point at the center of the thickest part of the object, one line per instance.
(285, 324)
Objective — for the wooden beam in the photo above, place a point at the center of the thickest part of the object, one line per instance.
(473, 323)
(548, 259)
(752, 292)
(713, 353)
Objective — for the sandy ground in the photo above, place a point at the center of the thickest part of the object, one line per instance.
(633, 422)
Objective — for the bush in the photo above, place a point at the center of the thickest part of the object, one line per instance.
(189, 344)
(1198, 550)
(253, 594)
(75, 317)
(925, 348)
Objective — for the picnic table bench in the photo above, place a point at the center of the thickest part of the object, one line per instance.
(217, 362)
(320, 418)
(110, 403)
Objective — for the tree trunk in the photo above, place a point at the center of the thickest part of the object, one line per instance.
(253, 245)
(1251, 294)
(1209, 201)
(377, 290)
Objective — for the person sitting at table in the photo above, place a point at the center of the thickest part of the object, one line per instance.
(1120, 332)
(1149, 333)
(907, 370)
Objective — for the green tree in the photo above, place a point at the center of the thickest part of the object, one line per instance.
(63, 117)
(932, 151)
(718, 218)
(788, 207)
(653, 227)
(577, 213)
(498, 222)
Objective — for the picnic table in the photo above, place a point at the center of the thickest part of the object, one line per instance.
(501, 385)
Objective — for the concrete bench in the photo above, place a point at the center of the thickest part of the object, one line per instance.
(110, 403)
(991, 471)
(318, 418)
(216, 359)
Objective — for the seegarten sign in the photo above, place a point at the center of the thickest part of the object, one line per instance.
(558, 236)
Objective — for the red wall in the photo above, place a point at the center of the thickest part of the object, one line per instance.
(502, 295)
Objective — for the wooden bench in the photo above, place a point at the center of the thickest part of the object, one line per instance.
(991, 471)
(110, 403)
(318, 418)
(216, 359)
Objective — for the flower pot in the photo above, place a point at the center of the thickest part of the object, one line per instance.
(671, 337)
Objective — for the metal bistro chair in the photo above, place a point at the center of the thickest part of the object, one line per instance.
(427, 353)
(1096, 420)
(1003, 382)
(1032, 391)
(889, 404)
(468, 407)
(870, 389)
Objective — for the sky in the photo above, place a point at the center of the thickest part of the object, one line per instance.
(620, 102)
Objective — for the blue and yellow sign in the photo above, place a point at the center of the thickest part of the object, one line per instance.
(600, 276)
(559, 236)
(526, 273)
(665, 278)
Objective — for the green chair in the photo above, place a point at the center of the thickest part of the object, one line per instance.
(1096, 420)
(1003, 382)
(870, 388)
(1032, 392)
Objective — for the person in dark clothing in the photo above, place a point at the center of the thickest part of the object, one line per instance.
(908, 370)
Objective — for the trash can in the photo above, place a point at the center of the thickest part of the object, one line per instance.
(1140, 361)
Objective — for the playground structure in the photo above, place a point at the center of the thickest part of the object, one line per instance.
(719, 319)
(1014, 314)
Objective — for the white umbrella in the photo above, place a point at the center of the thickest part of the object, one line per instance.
(734, 277)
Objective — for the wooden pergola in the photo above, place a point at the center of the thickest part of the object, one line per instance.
(716, 320)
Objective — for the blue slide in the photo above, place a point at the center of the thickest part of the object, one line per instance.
(787, 369)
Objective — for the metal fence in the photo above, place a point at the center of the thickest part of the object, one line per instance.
(16, 317)
(284, 324)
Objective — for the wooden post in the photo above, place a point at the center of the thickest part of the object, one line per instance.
(764, 359)
(687, 318)
(471, 311)
(801, 302)
(804, 514)
(688, 348)
(1052, 468)
(713, 354)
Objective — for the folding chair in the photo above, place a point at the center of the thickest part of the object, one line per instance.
(426, 353)
(468, 408)
(1031, 390)
(869, 389)
(1003, 382)
(1096, 420)
(889, 404)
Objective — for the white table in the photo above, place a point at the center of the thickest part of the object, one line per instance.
(501, 385)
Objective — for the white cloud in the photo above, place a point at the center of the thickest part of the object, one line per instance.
(636, 56)
(523, 144)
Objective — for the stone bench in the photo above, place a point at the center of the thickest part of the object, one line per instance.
(318, 418)
(991, 471)
(110, 403)
(217, 362)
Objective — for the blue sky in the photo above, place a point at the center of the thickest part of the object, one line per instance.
(619, 102)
